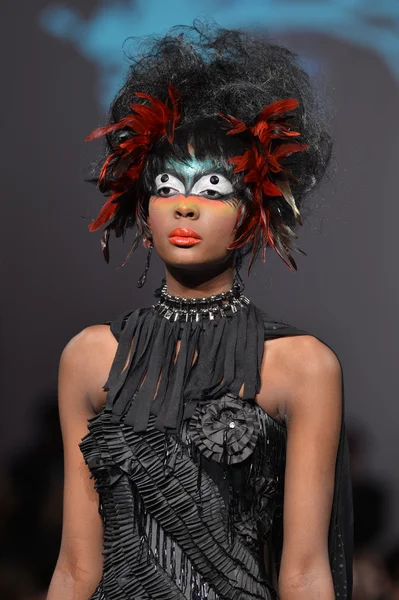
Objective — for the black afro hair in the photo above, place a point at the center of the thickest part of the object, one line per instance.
(217, 71)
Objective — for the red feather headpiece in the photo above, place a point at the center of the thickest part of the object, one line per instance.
(148, 122)
(267, 176)
(265, 173)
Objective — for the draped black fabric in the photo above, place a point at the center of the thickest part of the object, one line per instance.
(190, 474)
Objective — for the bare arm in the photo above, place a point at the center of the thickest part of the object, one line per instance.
(313, 413)
(83, 370)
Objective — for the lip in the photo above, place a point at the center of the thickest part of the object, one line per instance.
(184, 241)
(184, 232)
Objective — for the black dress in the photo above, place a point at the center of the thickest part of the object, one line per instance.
(191, 480)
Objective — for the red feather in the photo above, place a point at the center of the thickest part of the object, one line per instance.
(104, 168)
(270, 189)
(174, 104)
(275, 109)
(237, 125)
(148, 123)
(259, 163)
(287, 149)
(107, 211)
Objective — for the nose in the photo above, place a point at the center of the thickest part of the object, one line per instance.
(186, 207)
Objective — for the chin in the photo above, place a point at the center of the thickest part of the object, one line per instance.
(186, 262)
(193, 261)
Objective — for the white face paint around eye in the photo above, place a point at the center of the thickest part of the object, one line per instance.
(167, 185)
(212, 185)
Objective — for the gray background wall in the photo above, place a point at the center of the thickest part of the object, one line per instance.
(55, 282)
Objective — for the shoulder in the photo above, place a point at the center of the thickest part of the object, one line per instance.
(305, 355)
(88, 343)
(86, 360)
(300, 369)
(314, 382)
(297, 348)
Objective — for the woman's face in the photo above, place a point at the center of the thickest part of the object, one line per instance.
(192, 214)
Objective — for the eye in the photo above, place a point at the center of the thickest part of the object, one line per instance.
(167, 185)
(166, 192)
(214, 186)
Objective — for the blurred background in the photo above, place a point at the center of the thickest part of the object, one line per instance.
(62, 63)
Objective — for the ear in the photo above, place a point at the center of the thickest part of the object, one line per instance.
(147, 227)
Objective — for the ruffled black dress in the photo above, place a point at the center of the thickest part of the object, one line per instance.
(190, 476)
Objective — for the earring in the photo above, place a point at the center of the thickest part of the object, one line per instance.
(237, 281)
(143, 278)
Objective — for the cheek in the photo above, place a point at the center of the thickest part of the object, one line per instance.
(221, 220)
(159, 209)
(217, 215)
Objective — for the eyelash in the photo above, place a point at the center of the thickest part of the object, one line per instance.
(159, 191)
(212, 194)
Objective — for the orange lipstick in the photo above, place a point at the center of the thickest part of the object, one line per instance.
(184, 236)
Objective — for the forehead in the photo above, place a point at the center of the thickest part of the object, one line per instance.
(192, 167)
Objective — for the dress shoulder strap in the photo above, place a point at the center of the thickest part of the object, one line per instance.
(275, 328)
(118, 324)
(278, 328)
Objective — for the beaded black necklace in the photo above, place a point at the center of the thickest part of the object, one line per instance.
(176, 308)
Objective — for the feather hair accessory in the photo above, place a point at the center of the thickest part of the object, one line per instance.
(148, 123)
(267, 177)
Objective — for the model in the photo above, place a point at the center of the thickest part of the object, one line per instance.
(216, 439)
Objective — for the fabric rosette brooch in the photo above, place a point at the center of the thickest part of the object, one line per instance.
(225, 430)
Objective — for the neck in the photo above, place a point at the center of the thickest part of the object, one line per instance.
(198, 284)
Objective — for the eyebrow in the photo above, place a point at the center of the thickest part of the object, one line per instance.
(200, 172)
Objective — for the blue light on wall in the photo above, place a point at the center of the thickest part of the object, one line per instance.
(369, 23)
